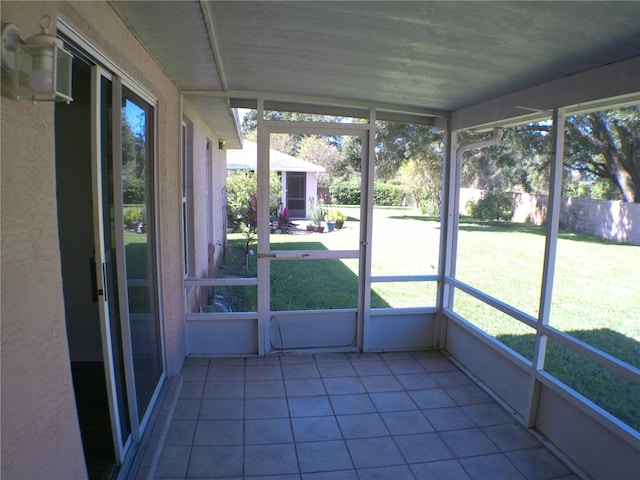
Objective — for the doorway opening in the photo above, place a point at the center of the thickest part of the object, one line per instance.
(76, 235)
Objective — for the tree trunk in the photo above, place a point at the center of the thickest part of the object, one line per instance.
(614, 140)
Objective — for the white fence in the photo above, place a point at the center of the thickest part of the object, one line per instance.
(616, 221)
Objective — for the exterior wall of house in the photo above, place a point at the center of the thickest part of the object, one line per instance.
(312, 191)
(40, 433)
(206, 255)
(103, 28)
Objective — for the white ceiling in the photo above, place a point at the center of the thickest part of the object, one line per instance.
(432, 55)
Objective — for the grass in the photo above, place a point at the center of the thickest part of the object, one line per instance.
(595, 296)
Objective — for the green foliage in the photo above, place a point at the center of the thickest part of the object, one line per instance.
(388, 195)
(345, 192)
(397, 143)
(241, 185)
(348, 193)
(320, 151)
(494, 205)
(336, 216)
(606, 145)
(596, 189)
(317, 214)
(133, 164)
(132, 214)
(133, 190)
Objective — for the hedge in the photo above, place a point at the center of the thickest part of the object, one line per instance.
(348, 193)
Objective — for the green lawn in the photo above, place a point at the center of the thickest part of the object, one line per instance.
(595, 298)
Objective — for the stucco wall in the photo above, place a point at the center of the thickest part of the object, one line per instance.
(617, 221)
(103, 28)
(40, 434)
(202, 134)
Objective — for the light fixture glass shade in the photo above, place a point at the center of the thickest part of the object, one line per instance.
(44, 72)
(38, 68)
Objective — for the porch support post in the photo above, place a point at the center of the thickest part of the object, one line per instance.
(264, 266)
(449, 230)
(549, 262)
(366, 232)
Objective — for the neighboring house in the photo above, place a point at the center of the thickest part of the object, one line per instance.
(299, 177)
(96, 313)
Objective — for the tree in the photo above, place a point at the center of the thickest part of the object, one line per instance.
(319, 150)
(520, 161)
(133, 163)
(285, 143)
(396, 143)
(606, 144)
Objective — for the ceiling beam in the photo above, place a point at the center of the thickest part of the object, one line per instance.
(610, 86)
(325, 105)
(208, 20)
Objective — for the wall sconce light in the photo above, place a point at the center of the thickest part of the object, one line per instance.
(38, 68)
(221, 144)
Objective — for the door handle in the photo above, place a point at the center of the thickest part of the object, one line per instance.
(94, 280)
(104, 283)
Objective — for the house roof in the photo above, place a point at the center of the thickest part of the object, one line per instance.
(474, 62)
(246, 158)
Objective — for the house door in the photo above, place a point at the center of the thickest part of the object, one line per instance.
(296, 185)
(105, 174)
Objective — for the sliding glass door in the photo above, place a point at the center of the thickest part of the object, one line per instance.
(139, 243)
(125, 246)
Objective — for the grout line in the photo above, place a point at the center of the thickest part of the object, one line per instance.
(174, 390)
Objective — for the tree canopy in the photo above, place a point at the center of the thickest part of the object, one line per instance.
(602, 156)
(606, 145)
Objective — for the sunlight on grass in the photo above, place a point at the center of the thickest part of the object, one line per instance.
(596, 287)
(596, 296)
(504, 261)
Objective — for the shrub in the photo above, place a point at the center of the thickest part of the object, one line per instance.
(241, 185)
(345, 192)
(348, 193)
(131, 215)
(388, 195)
(133, 190)
(494, 205)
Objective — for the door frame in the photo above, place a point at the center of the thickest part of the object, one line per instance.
(366, 131)
(300, 177)
(103, 67)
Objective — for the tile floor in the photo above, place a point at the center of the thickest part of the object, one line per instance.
(344, 416)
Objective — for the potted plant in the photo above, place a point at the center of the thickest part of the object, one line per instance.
(317, 215)
(337, 217)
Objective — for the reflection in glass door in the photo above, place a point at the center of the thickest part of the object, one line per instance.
(109, 266)
(125, 252)
(139, 246)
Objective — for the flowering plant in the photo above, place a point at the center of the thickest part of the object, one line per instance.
(283, 219)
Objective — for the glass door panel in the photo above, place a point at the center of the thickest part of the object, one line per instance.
(105, 249)
(139, 246)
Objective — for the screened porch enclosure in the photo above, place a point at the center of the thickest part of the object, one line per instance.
(452, 313)
(456, 67)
